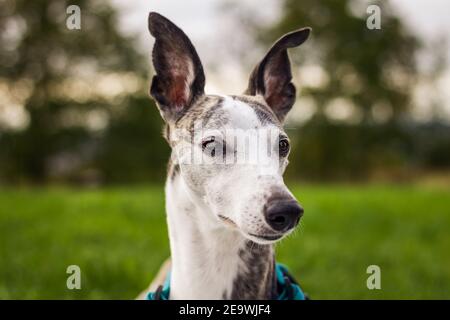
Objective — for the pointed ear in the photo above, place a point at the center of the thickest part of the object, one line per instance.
(272, 77)
(179, 78)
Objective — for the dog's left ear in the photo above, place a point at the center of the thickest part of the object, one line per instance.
(272, 77)
(179, 78)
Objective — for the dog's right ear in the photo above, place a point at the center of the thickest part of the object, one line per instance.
(179, 78)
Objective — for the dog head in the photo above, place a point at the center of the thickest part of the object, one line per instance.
(231, 151)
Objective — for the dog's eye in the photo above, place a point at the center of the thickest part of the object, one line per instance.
(213, 146)
(208, 146)
(207, 142)
(283, 147)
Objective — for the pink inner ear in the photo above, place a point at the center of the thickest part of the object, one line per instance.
(273, 88)
(178, 92)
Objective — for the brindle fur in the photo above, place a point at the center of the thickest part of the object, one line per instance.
(255, 278)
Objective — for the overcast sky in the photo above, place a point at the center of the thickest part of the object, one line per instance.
(203, 19)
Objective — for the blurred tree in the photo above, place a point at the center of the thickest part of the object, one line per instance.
(73, 83)
(135, 150)
(374, 70)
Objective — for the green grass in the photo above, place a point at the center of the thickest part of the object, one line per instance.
(118, 237)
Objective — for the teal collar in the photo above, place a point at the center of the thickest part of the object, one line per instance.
(287, 288)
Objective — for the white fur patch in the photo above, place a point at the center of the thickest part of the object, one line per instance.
(242, 116)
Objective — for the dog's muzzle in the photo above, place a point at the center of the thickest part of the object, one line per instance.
(283, 214)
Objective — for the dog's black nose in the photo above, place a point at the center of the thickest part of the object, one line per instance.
(283, 215)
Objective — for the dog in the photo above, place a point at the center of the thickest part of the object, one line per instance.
(223, 216)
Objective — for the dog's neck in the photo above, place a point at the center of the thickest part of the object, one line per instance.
(210, 261)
